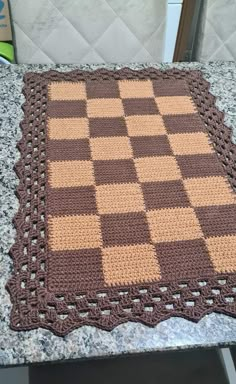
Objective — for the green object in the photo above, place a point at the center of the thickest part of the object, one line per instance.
(7, 51)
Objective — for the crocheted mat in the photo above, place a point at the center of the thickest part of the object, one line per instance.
(126, 209)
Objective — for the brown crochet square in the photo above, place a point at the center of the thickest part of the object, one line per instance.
(125, 208)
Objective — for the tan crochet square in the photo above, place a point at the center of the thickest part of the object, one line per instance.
(68, 129)
(222, 253)
(135, 89)
(119, 198)
(173, 224)
(104, 108)
(159, 168)
(190, 143)
(70, 173)
(130, 264)
(214, 190)
(67, 90)
(110, 148)
(175, 105)
(145, 125)
(74, 232)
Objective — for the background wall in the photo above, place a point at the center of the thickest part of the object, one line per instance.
(89, 31)
(217, 37)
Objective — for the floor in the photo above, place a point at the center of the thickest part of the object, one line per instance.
(14, 376)
(202, 366)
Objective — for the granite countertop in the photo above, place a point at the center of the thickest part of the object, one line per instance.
(41, 345)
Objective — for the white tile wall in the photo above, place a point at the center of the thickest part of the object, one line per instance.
(217, 38)
(91, 31)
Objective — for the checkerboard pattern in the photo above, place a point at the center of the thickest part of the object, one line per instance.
(136, 193)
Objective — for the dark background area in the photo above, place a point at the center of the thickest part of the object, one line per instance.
(187, 367)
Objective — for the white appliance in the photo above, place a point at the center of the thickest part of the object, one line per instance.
(174, 8)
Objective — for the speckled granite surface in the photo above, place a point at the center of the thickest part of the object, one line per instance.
(41, 345)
